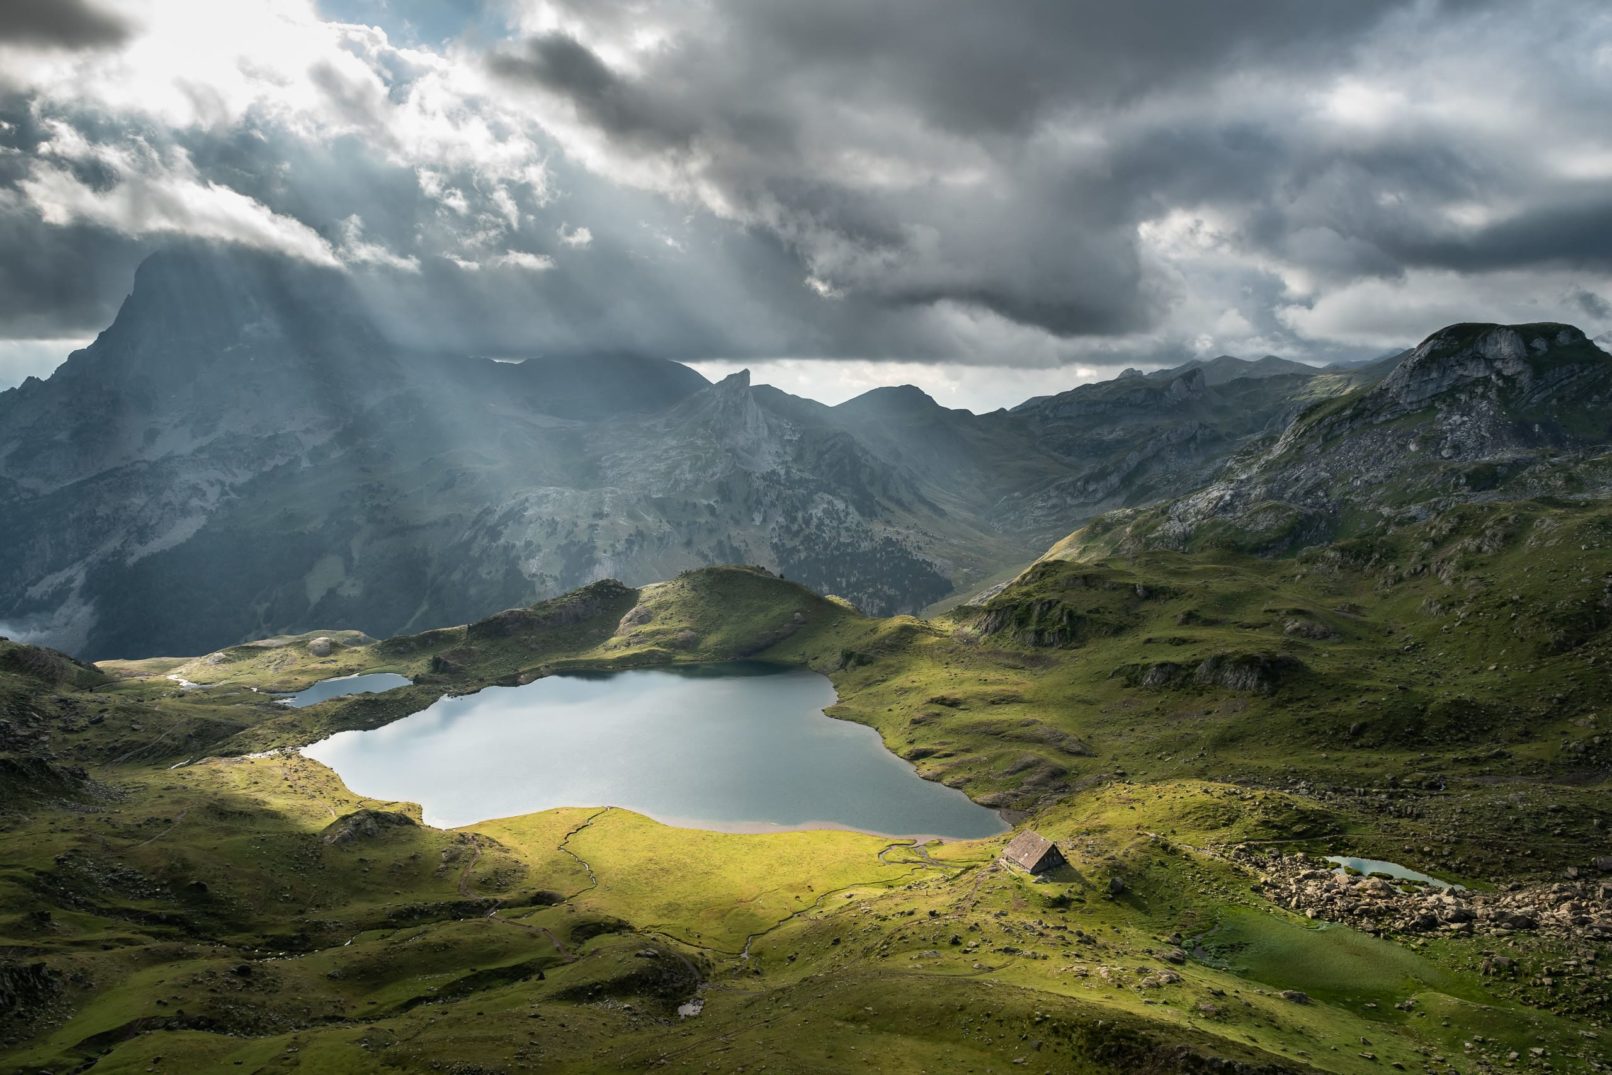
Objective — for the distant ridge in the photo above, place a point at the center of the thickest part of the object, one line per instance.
(1226, 368)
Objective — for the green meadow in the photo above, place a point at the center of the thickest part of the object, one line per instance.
(182, 891)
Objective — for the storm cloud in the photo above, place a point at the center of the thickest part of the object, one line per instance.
(72, 24)
(1058, 184)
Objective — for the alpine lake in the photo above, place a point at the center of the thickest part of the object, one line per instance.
(734, 747)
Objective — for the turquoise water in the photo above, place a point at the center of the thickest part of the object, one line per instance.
(735, 747)
(1389, 869)
(326, 689)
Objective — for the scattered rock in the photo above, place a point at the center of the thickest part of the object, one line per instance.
(1580, 910)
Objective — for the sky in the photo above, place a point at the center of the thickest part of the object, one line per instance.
(989, 200)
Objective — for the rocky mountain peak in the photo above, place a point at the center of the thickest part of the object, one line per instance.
(225, 295)
(729, 414)
(1483, 352)
(895, 400)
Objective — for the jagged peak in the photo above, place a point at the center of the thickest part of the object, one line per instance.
(192, 302)
(734, 381)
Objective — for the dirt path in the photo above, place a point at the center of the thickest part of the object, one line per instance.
(559, 945)
(142, 748)
(172, 825)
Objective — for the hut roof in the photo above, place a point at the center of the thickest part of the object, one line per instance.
(1031, 850)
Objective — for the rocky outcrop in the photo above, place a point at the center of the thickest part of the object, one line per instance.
(1245, 673)
(592, 600)
(27, 989)
(27, 780)
(1054, 605)
(1044, 623)
(365, 824)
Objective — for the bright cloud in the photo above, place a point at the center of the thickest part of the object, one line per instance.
(156, 193)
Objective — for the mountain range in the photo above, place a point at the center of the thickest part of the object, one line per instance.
(1279, 627)
(247, 451)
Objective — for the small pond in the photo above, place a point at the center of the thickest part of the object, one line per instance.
(739, 747)
(326, 689)
(1387, 869)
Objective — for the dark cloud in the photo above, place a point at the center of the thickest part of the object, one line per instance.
(1569, 235)
(1594, 306)
(73, 24)
(60, 282)
(924, 152)
(55, 281)
(991, 69)
(562, 64)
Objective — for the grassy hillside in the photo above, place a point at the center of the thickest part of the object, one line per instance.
(178, 893)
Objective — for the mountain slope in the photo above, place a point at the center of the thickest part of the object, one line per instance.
(1141, 438)
(1476, 412)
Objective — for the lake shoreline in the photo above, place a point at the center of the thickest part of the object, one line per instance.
(683, 745)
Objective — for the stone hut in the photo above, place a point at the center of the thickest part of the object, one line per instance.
(1033, 853)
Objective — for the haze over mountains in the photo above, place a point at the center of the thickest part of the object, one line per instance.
(244, 451)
